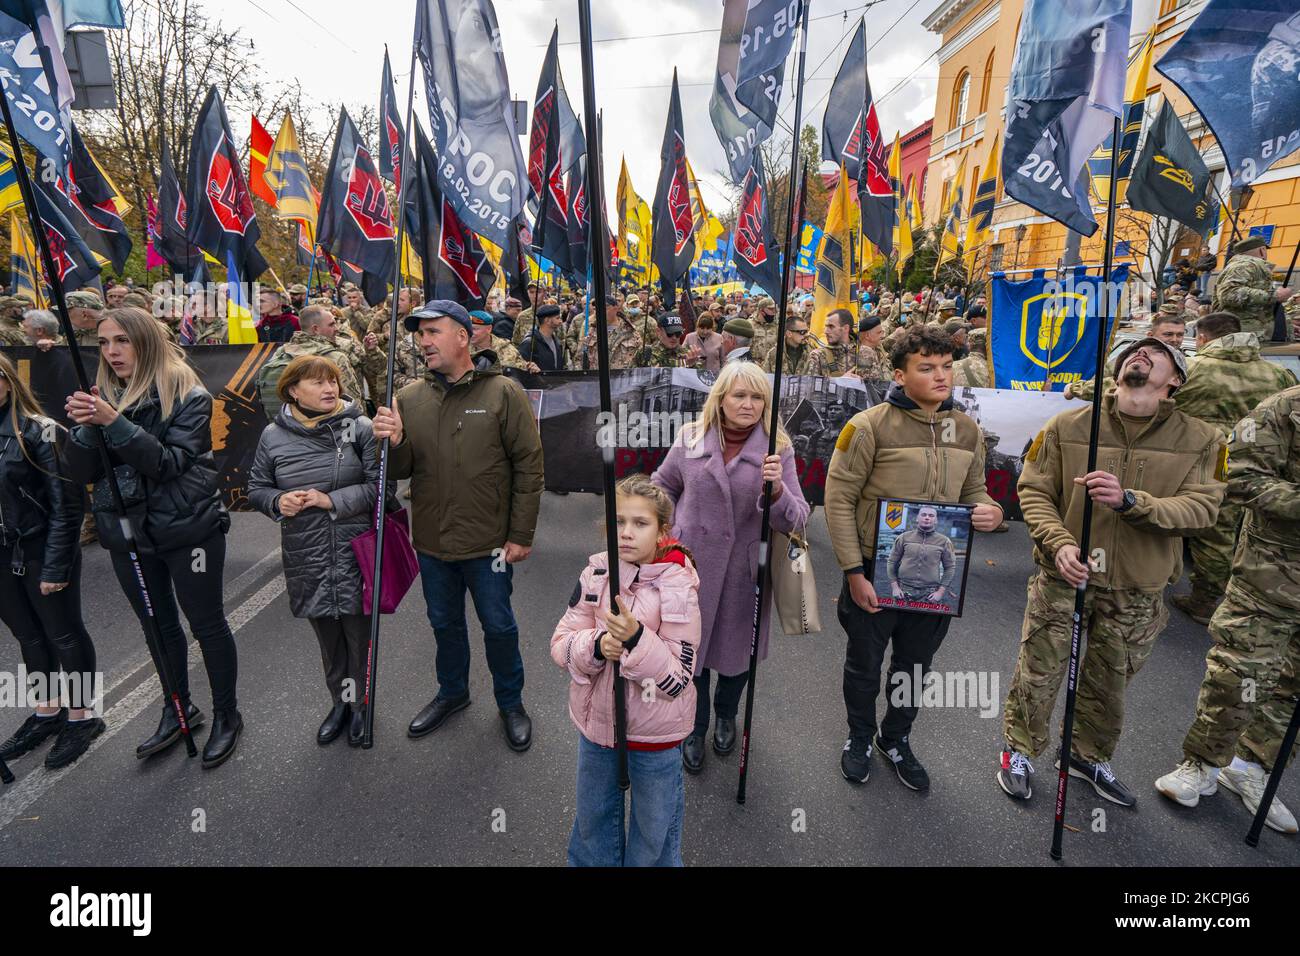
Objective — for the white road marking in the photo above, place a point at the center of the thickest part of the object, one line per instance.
(17, 797)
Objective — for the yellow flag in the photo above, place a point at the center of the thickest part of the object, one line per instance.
(902, 222)
(981, 208)
(22, 262)
(831, 289)
(1135, 98)
(952, 216)
(411, 267)
(286, 173)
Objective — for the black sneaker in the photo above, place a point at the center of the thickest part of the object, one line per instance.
(855, 761)
(906, 765)
(74, 740)
(33, 732)
(1014, 775)
(1103, 780)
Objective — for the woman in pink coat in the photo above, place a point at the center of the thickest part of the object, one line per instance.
(653, 638)
(715, 473)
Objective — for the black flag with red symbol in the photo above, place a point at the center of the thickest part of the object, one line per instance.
(74, 263)
(755, 248)
(355, 222)
(221, 218)
(548, 165)
(455, 265)
(391, 135)
(673, 247)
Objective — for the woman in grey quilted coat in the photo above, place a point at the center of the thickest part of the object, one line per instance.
(316, 473)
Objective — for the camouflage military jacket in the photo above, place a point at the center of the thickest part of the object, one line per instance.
(358, 320)
(624, 344)
(1245, 289)
(304, 343)
(11, 334)
(209, 331)
(972, 372)
(1264, 476)
(507, 354)
(836, 360)
(408, 366)
(87, 337)
(523, 325)
(660, 356)
(763, 340)
(1228, 379)
(798, 360)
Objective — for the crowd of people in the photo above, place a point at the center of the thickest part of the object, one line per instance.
(1205, 451)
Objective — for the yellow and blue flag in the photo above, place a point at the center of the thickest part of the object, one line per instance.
(286, 174)
(1135, 100)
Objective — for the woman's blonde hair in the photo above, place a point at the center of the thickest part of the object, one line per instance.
(159, 363)
(639, 485)
(22, 405)
(731, 375)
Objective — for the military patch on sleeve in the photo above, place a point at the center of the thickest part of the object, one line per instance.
(846, 437)
(576, 596)
(1032, 454)
(1221, 468)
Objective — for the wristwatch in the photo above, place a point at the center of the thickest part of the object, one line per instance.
(1129, 501)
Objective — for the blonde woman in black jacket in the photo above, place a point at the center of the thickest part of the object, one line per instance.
(40, 590)
(156, 418)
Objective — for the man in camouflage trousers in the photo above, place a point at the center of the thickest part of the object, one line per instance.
(798, 351)
(1252, 672)
(1159, 476)
(1245, 288)
(1224, 384)
(669, 352)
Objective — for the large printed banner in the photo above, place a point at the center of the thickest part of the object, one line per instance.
(650, 407)
(1043, 332)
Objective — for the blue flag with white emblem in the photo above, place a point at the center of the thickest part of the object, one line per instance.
(27, 85)
(1239, 64)
(1043, 333)
(1067, 88)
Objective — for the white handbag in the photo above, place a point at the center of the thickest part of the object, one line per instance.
(794, 589)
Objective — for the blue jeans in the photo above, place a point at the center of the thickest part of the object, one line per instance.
(654, 836)
(444, 584)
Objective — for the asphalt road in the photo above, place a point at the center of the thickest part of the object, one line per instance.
(459, 796)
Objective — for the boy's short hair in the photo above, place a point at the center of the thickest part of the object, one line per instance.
(920, 340)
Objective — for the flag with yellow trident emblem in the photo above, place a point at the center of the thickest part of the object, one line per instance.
(1043, 334)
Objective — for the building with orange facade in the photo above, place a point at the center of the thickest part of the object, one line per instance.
(978, 39)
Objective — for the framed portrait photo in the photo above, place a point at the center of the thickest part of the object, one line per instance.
(922, 556)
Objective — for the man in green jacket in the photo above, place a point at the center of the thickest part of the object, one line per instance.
(1159, 475)
(467, 439)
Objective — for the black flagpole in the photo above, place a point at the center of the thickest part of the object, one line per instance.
(1274, 778)
(774, 413)
(1085, 535)
(372, 653)
(599, 266)
(152, 635)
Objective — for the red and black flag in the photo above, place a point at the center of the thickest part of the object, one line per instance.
(171, 242)
(87, 200)
(673, 246)
(515, 265)
(392, 138)
(548, 165)
(455, 265)
(355, 222)
(221, 220)
(876, 194)
(755, 249)
(579, 222)
(74, 263)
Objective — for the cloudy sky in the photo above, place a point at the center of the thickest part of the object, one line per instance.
(336, 49)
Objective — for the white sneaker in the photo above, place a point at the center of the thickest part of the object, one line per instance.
(1249, 785)
(1188, 782)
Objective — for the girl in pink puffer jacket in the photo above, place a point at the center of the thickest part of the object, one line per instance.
(653, 638)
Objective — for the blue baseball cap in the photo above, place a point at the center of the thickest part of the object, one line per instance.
(436, 309)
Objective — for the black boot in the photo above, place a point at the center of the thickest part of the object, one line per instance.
(693, 753)
(357, 729)
(226, 725)
(334, 723)
(724, 735)
(33, 732)
(169, 730)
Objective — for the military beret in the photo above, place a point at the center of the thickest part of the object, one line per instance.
(868, 322)
(479, 317)
(546, 311)
(1249, 244)
(741, 328)
(513, 303)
